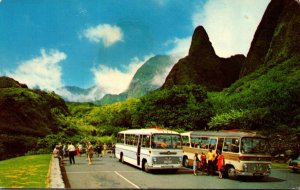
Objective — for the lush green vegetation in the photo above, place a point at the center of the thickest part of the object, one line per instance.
(179, 108)
(26, 116)
(266, 98)
(25, 172)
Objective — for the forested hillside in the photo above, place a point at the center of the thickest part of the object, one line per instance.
(26, 116)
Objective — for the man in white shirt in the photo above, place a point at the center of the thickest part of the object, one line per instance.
(71, 149)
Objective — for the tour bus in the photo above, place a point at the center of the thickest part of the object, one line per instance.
(245, 153)
(150, 149)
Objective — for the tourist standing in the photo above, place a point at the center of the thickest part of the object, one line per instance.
(99, 149)
(90, 152)
(113, 150)
(195, 163)
(210, 165)
(104, 149)
(221, 164)
(71, 150)
(203, 162)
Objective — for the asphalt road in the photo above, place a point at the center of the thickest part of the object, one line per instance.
(107, 172)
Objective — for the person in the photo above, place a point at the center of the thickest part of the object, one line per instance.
(77, 152)
(203, 162)
(210, 165)
(113, 150)
(215, 162)
(61, 154)
(164, 144)
(71, 150)
(104, 149)
(195, 163)
(90, 152)
(99, 149)
(64, 150)
(80, 149)
(221, 164)
(57, 154)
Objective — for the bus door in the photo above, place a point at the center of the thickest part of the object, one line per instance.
(138, 152)
(220, 144)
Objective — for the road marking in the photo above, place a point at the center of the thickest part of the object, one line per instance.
(127, 180)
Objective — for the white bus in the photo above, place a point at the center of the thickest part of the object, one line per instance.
(150, 149)
(245, 153)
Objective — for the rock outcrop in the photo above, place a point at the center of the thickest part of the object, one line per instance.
(277, 36)
(202, 65)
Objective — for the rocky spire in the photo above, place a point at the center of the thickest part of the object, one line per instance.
(202, 65)
(200, 43)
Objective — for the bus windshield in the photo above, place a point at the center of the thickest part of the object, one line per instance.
(254, 146)
(169, 141)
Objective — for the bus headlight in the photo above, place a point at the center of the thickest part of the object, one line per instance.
(180, 159)
(245, 167)
(154, 160)
(269, 166)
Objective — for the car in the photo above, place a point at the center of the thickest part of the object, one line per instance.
(295, 164)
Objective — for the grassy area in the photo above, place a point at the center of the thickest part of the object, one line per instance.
(25, 172)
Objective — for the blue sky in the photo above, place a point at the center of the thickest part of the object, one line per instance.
(54, 43)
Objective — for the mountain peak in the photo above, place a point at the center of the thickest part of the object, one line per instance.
(202, 65)
(200, 43)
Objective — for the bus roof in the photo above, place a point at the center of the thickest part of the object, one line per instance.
(223, 133)
(148, 131)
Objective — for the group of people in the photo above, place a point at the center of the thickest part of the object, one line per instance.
(213, 161)
(69, 150)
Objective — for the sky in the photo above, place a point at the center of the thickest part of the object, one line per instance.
(49, 44)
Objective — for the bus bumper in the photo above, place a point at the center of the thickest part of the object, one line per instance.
(154, 167)
(255, 174)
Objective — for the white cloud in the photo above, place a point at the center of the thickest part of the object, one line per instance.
(115, 81)
(43, 71)
(159, 78)
(105, 33)
(230, 24)
(93, 95)
(181, 47)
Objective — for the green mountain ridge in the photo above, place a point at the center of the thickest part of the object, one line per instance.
(27, 115)
(143, 80)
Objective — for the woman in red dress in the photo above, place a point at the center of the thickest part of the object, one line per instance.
(221, 163)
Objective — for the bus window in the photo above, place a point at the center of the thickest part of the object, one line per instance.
(220, 144)
(195, 142)
(166, 141)
(129, 139)
(254, 146)
(231, 145)
(120, 138)
(212, 143)
(135, 140)
(185, 141)
(204, 142)
(146, 141)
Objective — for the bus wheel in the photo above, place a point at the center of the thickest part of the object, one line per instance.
(231, 172)
(185, 162)
(145, 166)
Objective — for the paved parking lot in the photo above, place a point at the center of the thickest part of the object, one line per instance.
(109, 173)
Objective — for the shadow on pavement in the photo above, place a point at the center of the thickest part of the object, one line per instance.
(65, 177)
(264, 179)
